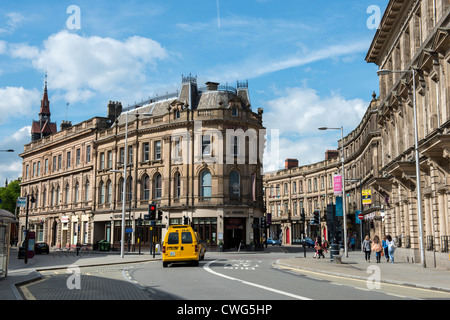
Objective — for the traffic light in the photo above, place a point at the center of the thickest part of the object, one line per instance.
(303, 216)
(269, 219)
(316, 216)
(160, 215)
(263, 222)
(152, 212)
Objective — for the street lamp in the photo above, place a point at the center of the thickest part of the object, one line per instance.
(343, 186)
(122, 241)
(27, 239)
(383, 72)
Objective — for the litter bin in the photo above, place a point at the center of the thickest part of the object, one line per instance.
(104, 245)
(334, 251)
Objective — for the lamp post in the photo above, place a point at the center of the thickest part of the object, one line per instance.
(361, 202)
(343, 186)
(122, 238)
(33, 200)
(382, 72)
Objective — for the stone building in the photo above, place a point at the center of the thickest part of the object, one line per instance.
(414, 35)
(380, 153)
(310, 187)
(194, 153)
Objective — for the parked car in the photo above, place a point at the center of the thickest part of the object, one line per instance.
(41, 247)
(273, 241)
(308, 242)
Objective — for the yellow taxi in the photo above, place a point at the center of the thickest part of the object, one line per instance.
(181, 245)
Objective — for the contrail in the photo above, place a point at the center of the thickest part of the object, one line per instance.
(218, 15)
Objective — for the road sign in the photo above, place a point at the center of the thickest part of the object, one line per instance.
(128, 230)
(360, 216)
(366, 196)
(22, 202)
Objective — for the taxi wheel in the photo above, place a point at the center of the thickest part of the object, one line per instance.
(165, 264)
(195, 263)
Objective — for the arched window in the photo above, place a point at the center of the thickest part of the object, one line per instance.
(158, 186)
(86, 191)
(57, 196)
(66, 196)
(102, 193)
(177, 185)
(77, 192)
(205, 184)
(53, 196)
(44, 198)
(146, 188)
(129, 188)
(120, 191)
(235, 185)
(108, 191)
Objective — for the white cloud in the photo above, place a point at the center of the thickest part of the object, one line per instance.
(297, 115)
(83, 66)
(23, 51)
(17, 102)
(257, 66)
(302, 111)
(13, 21)
(11, 163)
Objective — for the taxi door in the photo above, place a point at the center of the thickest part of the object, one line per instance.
(173, 248)
(187, 245)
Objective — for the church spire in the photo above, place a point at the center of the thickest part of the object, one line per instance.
(45, 104)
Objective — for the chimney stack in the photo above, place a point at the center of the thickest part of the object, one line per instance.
(290, 163)
(330, 154)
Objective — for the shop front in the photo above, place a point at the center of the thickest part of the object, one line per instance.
(234, 232)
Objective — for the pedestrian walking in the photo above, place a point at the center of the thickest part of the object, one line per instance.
(319, 248)
(353, 242)
(377, 248)
(391, 248)
(385, 248)
(367, 248)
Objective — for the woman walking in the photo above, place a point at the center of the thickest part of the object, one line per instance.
(391, 248)
(377, 247)
(367, 248)
(385, 248)
(319, 248)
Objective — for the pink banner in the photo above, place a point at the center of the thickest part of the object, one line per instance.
(337, 184)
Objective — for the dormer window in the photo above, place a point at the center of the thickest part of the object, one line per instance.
(235, 112)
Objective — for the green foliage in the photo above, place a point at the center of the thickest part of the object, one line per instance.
(9, 196)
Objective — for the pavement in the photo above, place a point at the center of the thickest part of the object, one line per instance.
(20, 273)
(353, 266)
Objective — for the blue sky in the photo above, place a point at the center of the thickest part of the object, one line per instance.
(304, 61)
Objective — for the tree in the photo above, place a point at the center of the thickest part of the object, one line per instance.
(9, 195)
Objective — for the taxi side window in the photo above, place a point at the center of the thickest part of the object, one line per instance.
(173, 238)
(186, 238)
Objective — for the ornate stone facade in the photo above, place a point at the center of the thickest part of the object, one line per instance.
(195, 154)
(414, 35)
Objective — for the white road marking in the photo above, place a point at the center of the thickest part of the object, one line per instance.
(207, 268)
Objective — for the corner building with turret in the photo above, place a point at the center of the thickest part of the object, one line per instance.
(196, 154)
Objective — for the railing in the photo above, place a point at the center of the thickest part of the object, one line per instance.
(152, 100)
